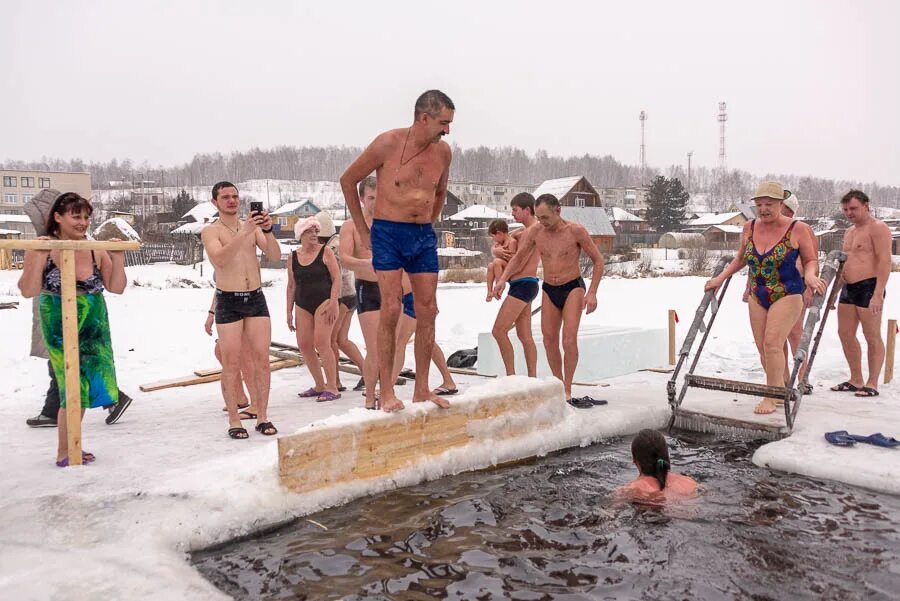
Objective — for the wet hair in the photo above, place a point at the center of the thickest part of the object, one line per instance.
(523, 200)
(432, 102)
(857, 194)
(498, 225)
(368, 182)
(219, 186)
(649, 451)
(547, 199)
(69, 202)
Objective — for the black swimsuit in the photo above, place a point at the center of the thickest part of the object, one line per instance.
(559, 294)
(313, 282)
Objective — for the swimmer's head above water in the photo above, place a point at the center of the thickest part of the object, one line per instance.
(651, 455)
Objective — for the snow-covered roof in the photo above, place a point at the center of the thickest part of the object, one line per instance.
(15, 219)
(457, 252)
(727, 229)
(557, 187)
(194, 227)
(290, 207)
(204, 211)
(623, 215)
(714, 219)
(479, 212)
(594, 219)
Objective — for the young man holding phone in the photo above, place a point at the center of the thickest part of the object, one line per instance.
(241, 311)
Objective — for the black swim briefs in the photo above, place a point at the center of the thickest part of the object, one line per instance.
(859, 293)
(235, 306)
(368, 296)
(559, 294)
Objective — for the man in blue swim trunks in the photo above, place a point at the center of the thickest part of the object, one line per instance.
(411, 165)
(523, 289)
(559, 244)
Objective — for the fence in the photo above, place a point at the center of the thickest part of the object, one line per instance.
(174, 248)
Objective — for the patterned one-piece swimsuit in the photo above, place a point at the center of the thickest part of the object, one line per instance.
(773, 274)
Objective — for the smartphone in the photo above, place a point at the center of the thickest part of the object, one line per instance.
(255, 207)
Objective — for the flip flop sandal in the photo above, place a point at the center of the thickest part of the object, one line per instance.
(444, 391)
(580, 403)
(327, 396)
(86, 458)
(866, 391)
(246, 415)
(840, 438)
(845, 387)
(238, 433)
(239, 407)
(309, 393)
(266, 429)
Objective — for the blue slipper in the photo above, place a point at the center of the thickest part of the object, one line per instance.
(840, 438)
(878, 439)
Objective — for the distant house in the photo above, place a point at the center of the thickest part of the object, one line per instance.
(289, 214)
(596, 221)
(19, 223)
(575, 191)
(624, 222)
(452, 205)
(721, 237)
(203, 212)
(700, 224)
(747, 209)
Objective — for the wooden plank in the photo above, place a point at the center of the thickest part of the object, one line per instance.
(217, 370)
(194, 379)
(672, 320)
(890, 350)
(71, 355)
(70, 245)
(328, 455)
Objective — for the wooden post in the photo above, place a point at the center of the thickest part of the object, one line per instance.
(890, 348)
(67, 249)
(672, 318)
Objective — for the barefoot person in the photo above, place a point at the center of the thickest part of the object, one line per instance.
(358, 258)
(405, 328)
(504, 246)
(241, 310)
(314, 285)
(523, 289)
(770, 245)
(95, 271)
(340, 339)
(412, 166)
(868, 247)
(790, 208)
(559, 244)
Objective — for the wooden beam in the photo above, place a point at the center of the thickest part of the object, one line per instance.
(218, 370)
(195, 379)
(672, 320)
(70, 244)
(71, 355)
(890, 349)
(323, 455)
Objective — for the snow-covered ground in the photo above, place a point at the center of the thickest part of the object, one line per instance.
(167, 479)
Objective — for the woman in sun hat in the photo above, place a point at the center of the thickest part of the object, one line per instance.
(770, 246)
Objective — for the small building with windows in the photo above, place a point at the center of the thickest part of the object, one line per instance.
(285, 216)
(575, 191)
(18, 186)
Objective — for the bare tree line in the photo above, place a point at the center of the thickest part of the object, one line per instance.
(481, 164)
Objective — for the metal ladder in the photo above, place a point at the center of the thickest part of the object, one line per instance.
(831, 271)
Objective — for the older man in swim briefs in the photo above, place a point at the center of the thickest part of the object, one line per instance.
(412, 166)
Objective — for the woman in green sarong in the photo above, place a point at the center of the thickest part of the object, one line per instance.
(95, 271)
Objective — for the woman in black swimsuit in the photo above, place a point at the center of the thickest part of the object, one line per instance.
(314, 284)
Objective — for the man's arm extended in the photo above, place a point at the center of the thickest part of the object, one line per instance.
(881, 246)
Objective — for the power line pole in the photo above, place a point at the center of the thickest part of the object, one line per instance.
(723, 117)
(690, 154)
(643, 118)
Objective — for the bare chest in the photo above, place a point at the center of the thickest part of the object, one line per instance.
(557, 246)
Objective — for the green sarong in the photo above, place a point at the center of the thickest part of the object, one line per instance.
(98, 371)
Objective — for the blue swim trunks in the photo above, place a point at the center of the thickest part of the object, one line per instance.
(411, 247)
(525, 289)
(408, 305)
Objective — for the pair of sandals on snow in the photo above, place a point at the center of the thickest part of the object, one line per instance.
(864, 391)
(586, 402)
(842, 438)
(86, 458)
(240, 433)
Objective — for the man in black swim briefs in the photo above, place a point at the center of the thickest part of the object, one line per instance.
(559, 244)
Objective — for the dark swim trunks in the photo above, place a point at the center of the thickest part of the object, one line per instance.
(368, 296)
(348, 301)
(235, 306)
(559, 294)
(859, 293)
(408, 305)
(525, 289)
(408, 246)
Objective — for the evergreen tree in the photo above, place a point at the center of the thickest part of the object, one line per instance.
(182, 203)
(666, 202)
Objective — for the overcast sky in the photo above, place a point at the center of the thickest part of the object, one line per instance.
(812, 87)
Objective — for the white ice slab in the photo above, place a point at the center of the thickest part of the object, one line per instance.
(604, 352)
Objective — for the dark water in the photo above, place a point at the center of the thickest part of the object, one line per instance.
(550, 529)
